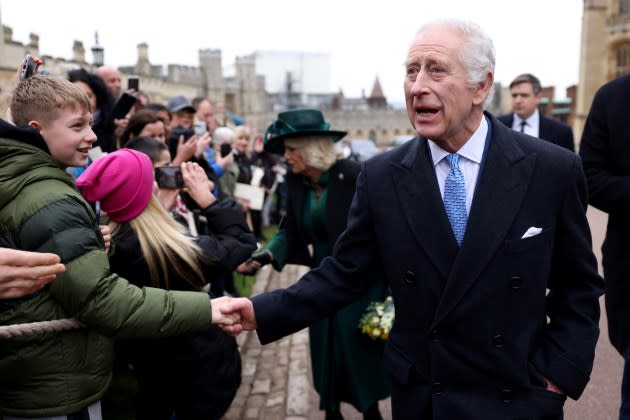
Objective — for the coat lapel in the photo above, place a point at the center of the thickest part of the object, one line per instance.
(341, 186)
(421, 204)
(499, 195)
(296, 186)
(544, 129)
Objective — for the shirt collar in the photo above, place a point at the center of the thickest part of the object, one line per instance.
(532, 121)
(471, 150)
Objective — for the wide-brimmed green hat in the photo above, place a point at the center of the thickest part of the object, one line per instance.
(295, 124)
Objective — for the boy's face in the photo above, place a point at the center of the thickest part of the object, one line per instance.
(69, 137)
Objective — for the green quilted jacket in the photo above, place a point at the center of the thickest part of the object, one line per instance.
(51, 374)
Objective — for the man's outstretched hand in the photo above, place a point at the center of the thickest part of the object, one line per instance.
(238, 311)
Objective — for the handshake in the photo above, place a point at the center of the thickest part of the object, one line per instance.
(254, 263)
(233, 315)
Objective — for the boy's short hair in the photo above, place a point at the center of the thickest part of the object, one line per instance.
(41, 98)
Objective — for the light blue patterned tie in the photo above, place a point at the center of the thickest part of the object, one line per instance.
(455, 198)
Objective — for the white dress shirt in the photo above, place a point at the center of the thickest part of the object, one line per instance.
(470, 154)
(533, 124)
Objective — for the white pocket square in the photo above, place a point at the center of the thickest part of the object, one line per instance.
(532, 231)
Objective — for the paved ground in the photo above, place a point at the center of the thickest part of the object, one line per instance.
(601, 398)
(277, 382)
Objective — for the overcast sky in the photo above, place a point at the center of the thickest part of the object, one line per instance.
(365, 39)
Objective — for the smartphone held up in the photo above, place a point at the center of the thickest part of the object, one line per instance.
(169, 177)
(123, 105)
(133, 83)
(225, 149)
(29, 66)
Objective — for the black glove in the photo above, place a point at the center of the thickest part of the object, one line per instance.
(263, 258)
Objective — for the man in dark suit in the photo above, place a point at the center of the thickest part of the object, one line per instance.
(489, 263)
(605, 151)
(526, 95)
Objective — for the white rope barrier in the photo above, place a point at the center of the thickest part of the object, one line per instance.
(32, 328)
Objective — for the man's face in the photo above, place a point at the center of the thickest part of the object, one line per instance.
(69, 137)
(205, 113)
(111, 77)
(524, 100)
(440, 103)
(184, 118)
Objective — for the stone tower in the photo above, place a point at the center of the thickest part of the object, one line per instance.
(143, 66)
(212, 68)
(595, 51)
(246, 77)
(78, 52)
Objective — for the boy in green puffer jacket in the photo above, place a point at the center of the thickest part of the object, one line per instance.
(66, 373)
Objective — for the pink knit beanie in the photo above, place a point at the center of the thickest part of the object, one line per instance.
(122, 181)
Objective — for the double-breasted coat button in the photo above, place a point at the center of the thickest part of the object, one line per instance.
(341, 177)
(516, 282)
(506, 395)
(409, 277)
(497, 340)
(434, 335)
(436, 388)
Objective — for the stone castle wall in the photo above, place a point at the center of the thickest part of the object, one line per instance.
(244, 93)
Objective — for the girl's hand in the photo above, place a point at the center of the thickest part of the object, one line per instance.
(197, 184)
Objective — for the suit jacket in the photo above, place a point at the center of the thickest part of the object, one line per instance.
(605, 150)
(549, 129)
(471, 337)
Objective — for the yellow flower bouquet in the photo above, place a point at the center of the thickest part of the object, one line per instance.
(378, 319)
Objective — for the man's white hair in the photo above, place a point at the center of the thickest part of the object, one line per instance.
(477, 53)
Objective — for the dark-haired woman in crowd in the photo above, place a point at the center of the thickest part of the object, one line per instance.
(102, 103)
(144, 122)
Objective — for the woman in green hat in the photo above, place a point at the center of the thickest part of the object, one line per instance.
(347, 365)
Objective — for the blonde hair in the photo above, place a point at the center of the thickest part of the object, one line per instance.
(241, 131)
(165, 244)
(41, 98)
(317, 151)
(244, 131)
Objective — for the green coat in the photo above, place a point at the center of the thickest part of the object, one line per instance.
(59, 373)
(347, 365)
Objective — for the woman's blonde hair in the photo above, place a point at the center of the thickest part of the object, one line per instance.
(318, 151)
(241, 131)
(164, 244)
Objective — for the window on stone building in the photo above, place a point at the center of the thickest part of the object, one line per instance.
(624, 6)
(622, 66)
